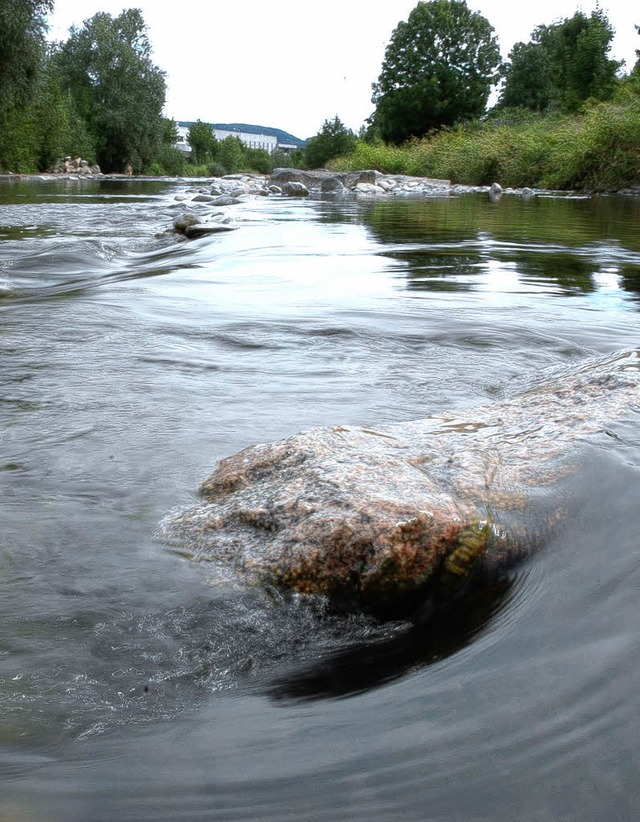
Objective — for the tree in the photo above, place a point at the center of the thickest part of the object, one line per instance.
(333, 139)
(633, 79)
(438, 69)
(563, 65)
(119, 92)
(170, 133)
(169, 160)
(22, 30)
(528, 78)
(258, 159)
(61, 131)
(34, 135)
(202, 141)
(230, 154)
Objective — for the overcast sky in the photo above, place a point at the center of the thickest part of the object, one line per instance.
(294, 65)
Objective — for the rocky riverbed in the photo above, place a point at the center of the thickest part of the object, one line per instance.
(207, 204)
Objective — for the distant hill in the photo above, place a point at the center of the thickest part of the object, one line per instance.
(282, 136)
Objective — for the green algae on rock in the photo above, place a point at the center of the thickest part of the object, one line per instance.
(385, 519)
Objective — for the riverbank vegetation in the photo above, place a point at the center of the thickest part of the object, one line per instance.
(212, 157)
(597, 149)
(98, 95)
(567, 116)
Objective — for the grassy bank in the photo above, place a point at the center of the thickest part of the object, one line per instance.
(598, 150)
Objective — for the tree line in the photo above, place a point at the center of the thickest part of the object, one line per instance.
(100, 96)
(441, 65)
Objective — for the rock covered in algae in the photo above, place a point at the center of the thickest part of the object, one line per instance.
(384, 517)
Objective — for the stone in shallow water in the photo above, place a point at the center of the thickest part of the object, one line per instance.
(200, 229)
(384, 519)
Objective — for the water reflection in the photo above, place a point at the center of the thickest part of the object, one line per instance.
(630, 279)
(450, 244)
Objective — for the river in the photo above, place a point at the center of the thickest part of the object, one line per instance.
(135, 684)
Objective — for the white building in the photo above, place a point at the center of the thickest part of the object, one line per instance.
(264, 141)
(267, 142)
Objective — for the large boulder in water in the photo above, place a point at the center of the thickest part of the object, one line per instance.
(393, 517)
(294, 189)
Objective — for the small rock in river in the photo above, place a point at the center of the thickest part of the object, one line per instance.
(200, 229)
(183, 222)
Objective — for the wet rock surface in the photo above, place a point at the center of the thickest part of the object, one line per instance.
(367, 183)
(235, 189)
(399, 518)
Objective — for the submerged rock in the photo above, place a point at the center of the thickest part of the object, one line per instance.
(196, 225)
(387, 519)
(201, 229)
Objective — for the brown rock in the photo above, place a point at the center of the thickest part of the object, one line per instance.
(389, 518)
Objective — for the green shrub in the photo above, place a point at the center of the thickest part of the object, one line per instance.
(333, 139)
(155, 170)
(196, 171)
(230, 154)
(282, 159)
(172, 160)
(257, 159)
(216, 170)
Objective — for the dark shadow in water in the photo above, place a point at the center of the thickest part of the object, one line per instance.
(630, 280)
(365, 666)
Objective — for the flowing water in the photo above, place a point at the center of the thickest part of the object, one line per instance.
(136, 685)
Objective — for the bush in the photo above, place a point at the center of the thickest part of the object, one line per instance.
(172, 161)
(230, 154)
(216, 170)
(196, 171)
(19, 142)
(257, 159)
(282, 159)
(331, 141)
(154, 170)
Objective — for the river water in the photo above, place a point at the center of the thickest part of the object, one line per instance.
(134, 684)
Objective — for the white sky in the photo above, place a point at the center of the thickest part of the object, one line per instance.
(294, 65)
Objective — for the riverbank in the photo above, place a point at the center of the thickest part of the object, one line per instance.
(598, 150)
(362, 183)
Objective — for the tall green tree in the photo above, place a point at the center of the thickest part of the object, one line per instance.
(438, 69)
(60, 129)
(528, 78)
(333, 139)
(230, 154)
(106, 65)
(22, 30)
(38, 119)
(563, 65)
(202, 142)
